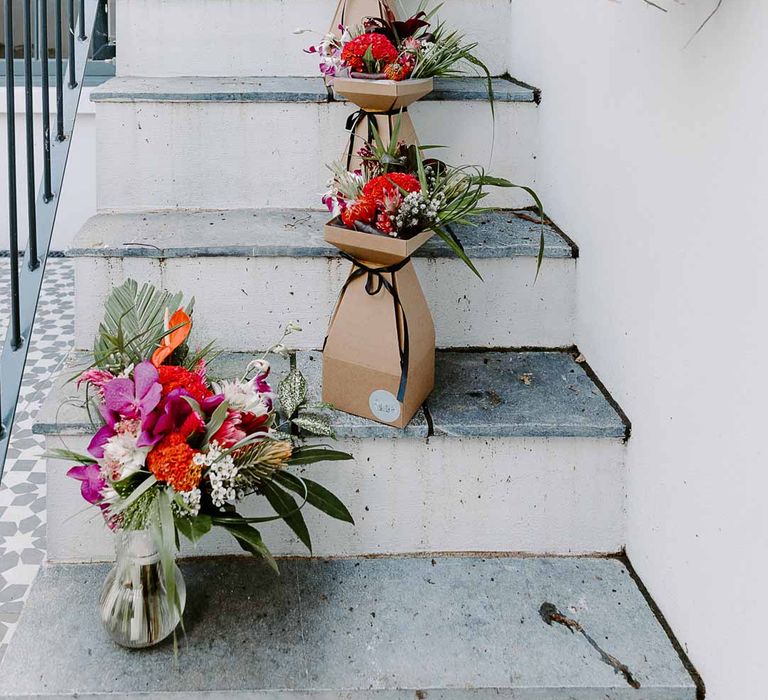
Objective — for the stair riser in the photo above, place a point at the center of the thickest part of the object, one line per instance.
(257, 296)
(229, 155)
(533, 495)
(246, 38)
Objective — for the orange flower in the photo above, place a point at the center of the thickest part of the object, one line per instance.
(172, 461)
(183, 324)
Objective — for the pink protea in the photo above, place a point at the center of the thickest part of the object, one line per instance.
(96, 377)
(230, 432)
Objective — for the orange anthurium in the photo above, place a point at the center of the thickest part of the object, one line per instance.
(182, 324)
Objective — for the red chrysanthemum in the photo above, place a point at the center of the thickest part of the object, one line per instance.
(383, 51)
(172, 461)
(362, 210)
(390, 183)
(174, 377)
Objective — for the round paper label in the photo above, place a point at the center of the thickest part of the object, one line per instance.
(384, 406)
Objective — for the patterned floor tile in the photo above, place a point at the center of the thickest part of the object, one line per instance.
(22, 491)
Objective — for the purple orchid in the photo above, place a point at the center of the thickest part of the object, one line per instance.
(124, 398)
(174, 415)
(91, 482)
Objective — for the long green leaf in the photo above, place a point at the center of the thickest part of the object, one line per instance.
(250, 540)
(286, 507)
(317, 453)
(194, 528)
(317, 496)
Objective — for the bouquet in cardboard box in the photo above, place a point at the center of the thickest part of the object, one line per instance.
(401, 194)
(384, 47)
(175, 449)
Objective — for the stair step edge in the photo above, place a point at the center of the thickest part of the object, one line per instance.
(289, 89)
(398, 624)
(479, 394)
(291, 233)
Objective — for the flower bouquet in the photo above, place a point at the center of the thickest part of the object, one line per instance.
(399, 199)
(175, 450)
(385, 64)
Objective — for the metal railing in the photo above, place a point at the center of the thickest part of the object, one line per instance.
(42, 202)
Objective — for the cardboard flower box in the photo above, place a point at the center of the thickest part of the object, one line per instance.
(351, 13)
(374, 95)
(379, 354)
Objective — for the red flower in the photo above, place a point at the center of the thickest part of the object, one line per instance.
(172, 461)
(390, 183)
(174, 377)
(397, 71)
(384, 223)
(383, 51)
(362, 210)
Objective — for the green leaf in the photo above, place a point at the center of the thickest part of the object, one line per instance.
(134, 320)
(194, 528)
(142, 488)
(317, 496)
(457, 249)
(285, 506)
(315, 423)
(317, 453)
(69, 456)
(126, 486)
(250, 540)
(292, 392)
(217, 420)
(166, 535)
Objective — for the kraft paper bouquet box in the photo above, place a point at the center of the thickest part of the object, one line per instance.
(351, 13)
(382, 95)
(379, 355)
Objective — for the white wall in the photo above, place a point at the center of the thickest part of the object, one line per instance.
(78, 201)
(654, 158)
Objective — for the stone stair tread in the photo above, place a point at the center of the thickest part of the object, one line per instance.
(386, 628)
(289, 233)
(286, 89)
(478, 394)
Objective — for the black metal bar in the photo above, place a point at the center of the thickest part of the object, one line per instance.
(29, 123)
(13, 224)
(71, 10)
(59, 74)
(46, 85)
(82, 36)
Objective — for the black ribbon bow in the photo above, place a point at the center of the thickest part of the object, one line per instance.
(374, 283)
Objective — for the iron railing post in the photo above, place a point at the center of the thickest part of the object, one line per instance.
(13, 224)
(29, 116)
(46, 85)
(59, 74)
(71, 10)
(82, 36)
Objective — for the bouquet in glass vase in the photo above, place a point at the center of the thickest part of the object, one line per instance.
(176, 449)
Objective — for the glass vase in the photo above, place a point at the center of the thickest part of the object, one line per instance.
(136, 608)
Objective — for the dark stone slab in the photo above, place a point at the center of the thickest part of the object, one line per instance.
(394, 628)
(286, 89)
(290, 233)
(506, 394)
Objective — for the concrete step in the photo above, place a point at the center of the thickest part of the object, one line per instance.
(434, 628)
(229, 143)
(229, 260)
(243, 38)
(514, 452)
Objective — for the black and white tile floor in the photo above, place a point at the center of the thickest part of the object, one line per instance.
(22, 491)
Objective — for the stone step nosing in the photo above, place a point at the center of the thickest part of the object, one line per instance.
(479, 394)
(290, 89)
(295, 233)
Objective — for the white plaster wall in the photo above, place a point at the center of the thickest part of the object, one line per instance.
(78, 201)
(654, 158)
